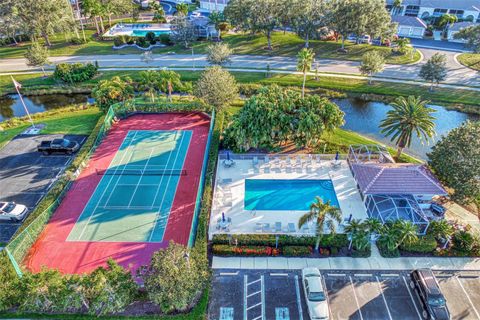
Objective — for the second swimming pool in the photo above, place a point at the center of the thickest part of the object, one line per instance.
(276, 194)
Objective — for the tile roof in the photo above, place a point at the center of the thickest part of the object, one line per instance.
(396, 178)
(473, 5)
(409, 21)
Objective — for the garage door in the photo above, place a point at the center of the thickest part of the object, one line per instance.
(418, 32)
(404, 31)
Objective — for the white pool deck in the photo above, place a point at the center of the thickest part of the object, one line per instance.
(229, 192)
(128, 28)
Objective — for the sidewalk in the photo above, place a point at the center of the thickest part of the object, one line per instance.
(374, 262)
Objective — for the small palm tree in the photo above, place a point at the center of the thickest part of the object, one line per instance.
(149, 83)
(403, 45)
(304, 64)
(389, 238)
(447, 20)
(167, 80)
(373, 225)
(182, 8)
(323, 214)
(354, 227)
(408, 116)
(360, 240)
(441, 230)
(406, 231)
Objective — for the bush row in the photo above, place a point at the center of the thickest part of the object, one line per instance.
(144, 42)
(75, 72)
(424, 244)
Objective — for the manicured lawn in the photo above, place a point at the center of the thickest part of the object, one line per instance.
(65, 121)
(283, 45)
(471, 60)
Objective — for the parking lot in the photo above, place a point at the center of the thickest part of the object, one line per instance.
(26, 175)
(255, 294)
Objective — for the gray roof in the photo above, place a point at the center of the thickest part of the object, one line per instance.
(444, 4)
(457, 26)
(409, 21)
(396, 178)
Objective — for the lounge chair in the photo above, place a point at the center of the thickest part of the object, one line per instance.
(266, 227)
(278, 227)
(298, 162)
(255, 162)
(258, 227)
(291, 227)
(266, 161)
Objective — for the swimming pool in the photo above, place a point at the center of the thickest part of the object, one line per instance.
(143, 33)
(277, 194)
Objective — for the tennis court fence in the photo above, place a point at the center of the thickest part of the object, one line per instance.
(19, 247)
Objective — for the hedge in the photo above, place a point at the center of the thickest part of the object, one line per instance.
(296, 251)
(226, 250)
(426, 244)
(328, 241)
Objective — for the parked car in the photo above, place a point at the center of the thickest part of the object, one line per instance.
(365, 39)
(12, 211)
(58, 146)
(315, 294)
(428, 290)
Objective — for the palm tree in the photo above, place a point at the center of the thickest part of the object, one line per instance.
(408, 116)
(324, 214)
(447, 20)
(304, 64)
(406, 231)
(167, 80)
(403, 44)
(149, 83)
(182, 8)
(441, 230)
(216, 18)
(389, 238)
(354, 227)
(373, 225)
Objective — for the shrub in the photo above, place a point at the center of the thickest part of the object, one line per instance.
(78, 41)
(118, 41)
(165, 39)
(362, 253)
(142, 42)
(384, 252)
(334, 240)
(296, 251)
(75, 72)
(227, 250)
(129, 40)
(425, 244)
(463, 241)
(9, 287)
(249, 89)
(224, 26)
(150, 37)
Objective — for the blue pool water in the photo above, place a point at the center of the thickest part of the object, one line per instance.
(287, 194)
(143, 33)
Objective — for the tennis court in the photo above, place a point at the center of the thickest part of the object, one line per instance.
(132, 202)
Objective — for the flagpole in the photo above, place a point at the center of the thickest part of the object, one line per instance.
(16, 85)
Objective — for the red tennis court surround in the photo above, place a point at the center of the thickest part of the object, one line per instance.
(52, 249)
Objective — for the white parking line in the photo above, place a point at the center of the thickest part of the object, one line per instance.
(336, 274)
(245, 280)
(229, 273)
(356, 298)
(263, 296)
(252, 294)
(468, 297)
(411, 297)
(279, 274)
(387, 275)
(255, 305)
(299, 302)
(363, 275)
(255, 281)
(383, 296)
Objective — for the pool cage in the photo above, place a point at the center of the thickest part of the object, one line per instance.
(369, 153)
(393, 207)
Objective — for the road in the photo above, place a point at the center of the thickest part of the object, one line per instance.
(457, 75)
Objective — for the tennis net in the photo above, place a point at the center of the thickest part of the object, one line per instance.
(142, 172)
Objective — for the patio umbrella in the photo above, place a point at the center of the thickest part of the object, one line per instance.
(223, 216)
(228, 155)
(337, 156)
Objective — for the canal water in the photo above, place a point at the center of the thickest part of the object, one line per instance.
(360, 116)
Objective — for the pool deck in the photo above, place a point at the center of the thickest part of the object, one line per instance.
(229, 192)
(127, 29)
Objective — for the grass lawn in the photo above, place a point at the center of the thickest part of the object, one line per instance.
(64, 121)
(470, 60)
(283, 45)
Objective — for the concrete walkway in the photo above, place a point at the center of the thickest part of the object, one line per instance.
(374, 262)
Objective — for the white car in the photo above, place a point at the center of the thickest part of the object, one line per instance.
(315, 294)
(12, 211)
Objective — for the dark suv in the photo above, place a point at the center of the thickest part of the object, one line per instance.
(434, 304)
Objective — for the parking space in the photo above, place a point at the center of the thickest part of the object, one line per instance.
(26, 175)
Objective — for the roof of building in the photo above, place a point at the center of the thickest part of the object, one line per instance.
(473, 5)
(409, 21)
(396, 178)
(457, 26)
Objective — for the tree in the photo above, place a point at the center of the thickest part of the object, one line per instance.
(360, 17)
(447, 21)
(158, 12)
(255, 16)
(308, 17)
(455, 159)
(149, 83)
(182, 9)
(219, 54)
(182, 31)
(408, 116)
(216, 18)
(304, 64)
(435, 70)
(354, 227)
(37, 56)
(95, 10)
(402, 44)
(442, 230)
(44, 18)
(372, 62)
(108, 92)
(116, 7)
(324, 215)
(406, 232)
(472, 36)
(175, 276)
(168, 81)
(216, 87)
(11, 24)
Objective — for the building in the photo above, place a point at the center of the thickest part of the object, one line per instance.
(467, 10)
(213, 5)
(412, 27)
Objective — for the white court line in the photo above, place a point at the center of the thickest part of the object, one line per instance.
(245, 281)
(104, 190)
(299, 301)
(166, 189)
(356, 298)
(140, 178)
(383, 296)
(411, 297)
(468, 297)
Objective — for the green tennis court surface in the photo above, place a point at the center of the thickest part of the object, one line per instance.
(133, 199)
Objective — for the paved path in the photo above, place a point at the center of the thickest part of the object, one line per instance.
(374, 262)
(458, 75)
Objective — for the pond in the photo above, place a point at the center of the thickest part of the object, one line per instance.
(365, 117)
(360, 116)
